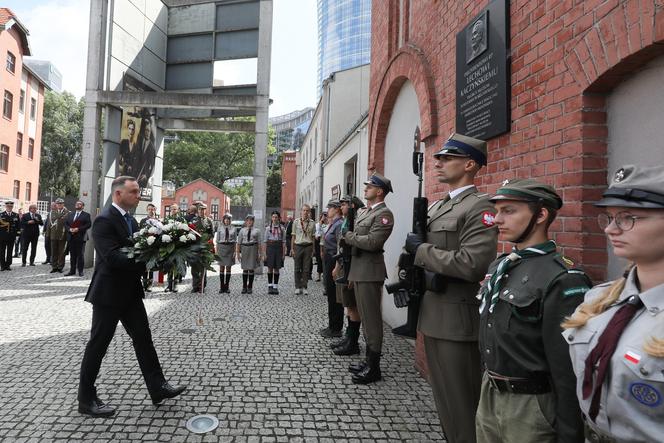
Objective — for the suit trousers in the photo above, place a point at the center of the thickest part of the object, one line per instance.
(76, 258)
(58, 253)
(369, 295)
(302, 265)
(47, 248)
(6, 252)
(104, 322)
(335, 311)
(455, 376)
(32, 242)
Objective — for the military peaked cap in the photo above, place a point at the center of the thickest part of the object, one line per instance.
(458, 145)
(380, 181)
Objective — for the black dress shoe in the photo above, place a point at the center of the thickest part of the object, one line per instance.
(46, 262)
(329, 333)
(23, 265)
(95, 408)
(356, 368)
(32, 264)
(244, 290)
(80, 274)
(69, 273)
(165, 391)
(249, 291)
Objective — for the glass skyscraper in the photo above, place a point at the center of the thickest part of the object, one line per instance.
(344, 36)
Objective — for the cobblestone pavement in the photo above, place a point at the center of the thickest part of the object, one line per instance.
(256, 362)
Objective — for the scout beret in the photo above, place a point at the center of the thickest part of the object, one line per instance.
(458, 145)
(333, 203)
(380, 181)
(528, 190)
(356, 201)
(59, 200)
(635, 187)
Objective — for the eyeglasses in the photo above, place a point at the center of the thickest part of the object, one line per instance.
(624, 220)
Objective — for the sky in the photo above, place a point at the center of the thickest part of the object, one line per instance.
(59, 33)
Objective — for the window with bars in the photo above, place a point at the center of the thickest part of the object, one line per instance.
(17, 189)
(4, 158)
(7, 105)
(19, 144)
(11, 62)
(31, 148)
(28, 191)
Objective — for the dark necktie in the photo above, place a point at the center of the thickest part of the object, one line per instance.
(600, 356)
(249, 236)
(227, 233)
(127, 218)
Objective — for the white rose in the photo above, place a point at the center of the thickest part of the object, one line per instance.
(136, 234)
(153, 230)
(183, 239)
(150, 240)
(191, 236)
(166, 238)
(167, 227)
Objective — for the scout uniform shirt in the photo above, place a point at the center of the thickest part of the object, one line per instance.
(372, 228)
(461, 243)
(304, 231)
(520, 332)
(632, 398)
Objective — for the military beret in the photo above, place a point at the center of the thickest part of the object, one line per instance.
(333, 203)
(380, 181)
(635, 187)
(59, 200)
(528, 190)
(458, 145)
(355, 200)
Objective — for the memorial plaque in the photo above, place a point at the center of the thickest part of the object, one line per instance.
(483, 73)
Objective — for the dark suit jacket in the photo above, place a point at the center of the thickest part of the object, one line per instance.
(83, 223)
(31, 230)
(116, 280)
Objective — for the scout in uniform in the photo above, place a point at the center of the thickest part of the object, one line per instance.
(460, 244)
(528, 385)
(9, 227)
(345, 292)
(58, 235)
(274, 249)
(226, 238)
(248, 253)
(328, 246)
(303, 249)
(373, 227)
(204, 226)
(616, 337)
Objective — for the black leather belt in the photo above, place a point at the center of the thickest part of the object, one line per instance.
(227, 243)
(594, 436)
(513, 385)
(303, 244)
(248, 244)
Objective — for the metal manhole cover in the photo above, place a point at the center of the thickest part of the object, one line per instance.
(201, 424)
(187, 331)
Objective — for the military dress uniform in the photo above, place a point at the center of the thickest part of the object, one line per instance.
(528, 384)
(373, 226)
(9, 227)
(459, 246)
(627, 405)
(58, 236)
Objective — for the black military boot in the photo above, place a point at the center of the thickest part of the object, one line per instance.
(371, 373)
(351, 347)
(343, 340)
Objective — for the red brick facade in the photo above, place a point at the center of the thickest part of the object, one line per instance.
(217, 201)
(567, 55)
(289, 184)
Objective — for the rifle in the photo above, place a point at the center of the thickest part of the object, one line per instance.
(410, 286)
(345, 250)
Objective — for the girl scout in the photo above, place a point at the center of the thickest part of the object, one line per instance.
(247, 253)
(616, 337)
(225, 239)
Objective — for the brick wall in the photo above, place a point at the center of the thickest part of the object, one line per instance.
(567, 55)
(288, 190)
(191, 191)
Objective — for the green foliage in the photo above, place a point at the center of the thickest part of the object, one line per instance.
(240, 195)
(62, 138)
(215, 157)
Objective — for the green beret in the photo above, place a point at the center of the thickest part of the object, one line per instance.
(528, 190)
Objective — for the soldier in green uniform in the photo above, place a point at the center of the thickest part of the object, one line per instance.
(9, 227)
(204, 226)
(460, 244)
(373, 227)
(529, 388)
(58, 235)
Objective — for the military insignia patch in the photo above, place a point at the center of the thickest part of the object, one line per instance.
(645, 394)
(575, 291)
(385, 220)
(567, 261)
(620, 175)
(488, 219)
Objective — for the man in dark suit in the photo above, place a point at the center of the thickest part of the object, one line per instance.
(30, 223)
(77, 224)
(116, 294)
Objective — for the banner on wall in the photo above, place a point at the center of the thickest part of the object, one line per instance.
(137, 148)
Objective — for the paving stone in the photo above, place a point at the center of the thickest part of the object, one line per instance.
(256, 362)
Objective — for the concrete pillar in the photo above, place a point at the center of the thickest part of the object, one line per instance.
(92, 114)
(263, 99)
(109, 165)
